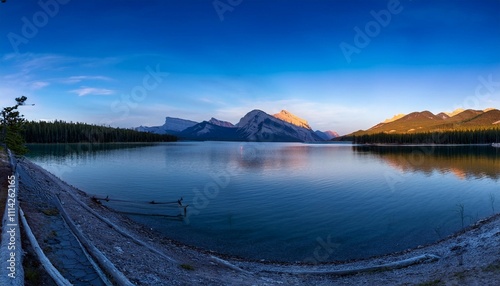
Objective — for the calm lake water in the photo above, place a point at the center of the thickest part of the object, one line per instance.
(289, 201)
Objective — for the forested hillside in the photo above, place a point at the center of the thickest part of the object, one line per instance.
(465, 136)
(460, 127)
(425, 121)
(64, 132)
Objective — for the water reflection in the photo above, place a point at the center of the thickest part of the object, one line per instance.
(268, 157)
(63, 158)
(276, 199)
(465, 162)
(261, 156)
(78, 149)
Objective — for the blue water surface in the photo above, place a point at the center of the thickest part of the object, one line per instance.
(288, 201)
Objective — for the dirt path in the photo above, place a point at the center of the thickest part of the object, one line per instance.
(468, 258)
(53, 235)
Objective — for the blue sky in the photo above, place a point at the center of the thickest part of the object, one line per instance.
(342, 65)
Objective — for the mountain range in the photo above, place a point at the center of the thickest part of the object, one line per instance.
(254, 126)
(284, 126)
(426, 121)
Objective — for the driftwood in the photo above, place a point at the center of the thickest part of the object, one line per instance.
(228, 264)
(382, 267)
(101, 259)
(119, 230)
(108, 199)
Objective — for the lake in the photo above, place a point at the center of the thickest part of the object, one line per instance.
(288, 201)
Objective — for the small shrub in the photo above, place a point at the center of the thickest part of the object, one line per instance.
(47, 249)
(52, 234)
(493, 267)
(32, 276)
(436, 282)
(187, 267)
(50, 212)
(460, 275)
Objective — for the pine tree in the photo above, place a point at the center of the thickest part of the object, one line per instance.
(12, 123)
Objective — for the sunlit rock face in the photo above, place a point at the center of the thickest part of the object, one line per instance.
(292, 119)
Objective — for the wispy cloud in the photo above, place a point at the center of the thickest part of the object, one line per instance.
(80, 78)
(39, 84)
(31, 62)
(83, 91)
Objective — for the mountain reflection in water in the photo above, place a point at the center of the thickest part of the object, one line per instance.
(465, 162)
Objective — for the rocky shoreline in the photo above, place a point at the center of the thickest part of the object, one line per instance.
(145, 257)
